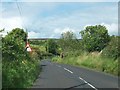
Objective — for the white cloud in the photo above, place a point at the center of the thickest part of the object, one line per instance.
(33, 34)
(58, 23)
(60, 31)
(112, 28)
(61, 0)
(10, 23)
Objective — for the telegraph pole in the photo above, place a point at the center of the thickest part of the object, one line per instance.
(26, 36)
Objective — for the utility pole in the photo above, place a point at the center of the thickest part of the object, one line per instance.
(26, 36)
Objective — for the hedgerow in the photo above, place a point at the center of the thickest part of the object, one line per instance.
(19, 67)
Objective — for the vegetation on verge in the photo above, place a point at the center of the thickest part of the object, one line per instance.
(96, 50)
(19, 67)
(92, 61)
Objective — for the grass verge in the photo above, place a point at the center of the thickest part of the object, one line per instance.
(20, 73)
(92, 61)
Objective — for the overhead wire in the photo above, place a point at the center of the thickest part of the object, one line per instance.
(18, 7)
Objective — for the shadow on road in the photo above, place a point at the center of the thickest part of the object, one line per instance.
(43, 65)
(75, 86)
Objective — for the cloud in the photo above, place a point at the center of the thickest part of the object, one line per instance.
(112, 28)
(10, 23)
(60, 31)
(51, 19)
(33, 34)
(61, 0)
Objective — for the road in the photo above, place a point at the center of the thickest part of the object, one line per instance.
(55, 75)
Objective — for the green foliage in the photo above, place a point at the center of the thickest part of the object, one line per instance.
(19, 68)
(13, 44)
(68, 42)
(86, 52)
(112, 49)
(38, 42)
(51, 46)
(2, 30)
(92, 61)
(19, 74)
(68, 35)
(95, 38)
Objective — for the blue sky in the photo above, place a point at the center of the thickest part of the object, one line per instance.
(50, 19)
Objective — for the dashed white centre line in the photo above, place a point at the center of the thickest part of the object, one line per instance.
(80, 78)
(68, 70)
(88, 83)
(58, 65)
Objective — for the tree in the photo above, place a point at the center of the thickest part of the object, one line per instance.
(13, 44)
(17, 33)
(68, 35)
(95, 38)
(51, 46)
(68, 42)
(2, 30)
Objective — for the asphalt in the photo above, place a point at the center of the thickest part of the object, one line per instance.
(54, 75)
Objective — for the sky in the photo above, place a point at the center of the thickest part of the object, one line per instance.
(51, 19)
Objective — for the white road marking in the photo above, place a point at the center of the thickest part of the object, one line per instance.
(58, 65)
(88, 83)
(68, 70)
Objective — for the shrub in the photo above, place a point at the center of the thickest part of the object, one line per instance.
(51, 46)
(19, 68)
(112, 50)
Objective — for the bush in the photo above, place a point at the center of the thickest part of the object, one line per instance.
(13, 45)
(19, 68)
(19, 73)
(51, 46)
(112, 50)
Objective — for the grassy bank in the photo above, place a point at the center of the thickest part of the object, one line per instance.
(20, 73)
(91, 60)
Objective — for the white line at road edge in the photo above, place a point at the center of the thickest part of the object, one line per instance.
(88, 83)
(68, 70)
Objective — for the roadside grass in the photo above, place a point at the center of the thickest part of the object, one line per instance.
(91, 60)
(20, 73)
(38, 47)
(19, 67)
(41, 51)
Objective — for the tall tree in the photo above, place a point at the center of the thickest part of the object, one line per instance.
(51, 46)
(95, 38)
(68, 41)
(13, 44)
